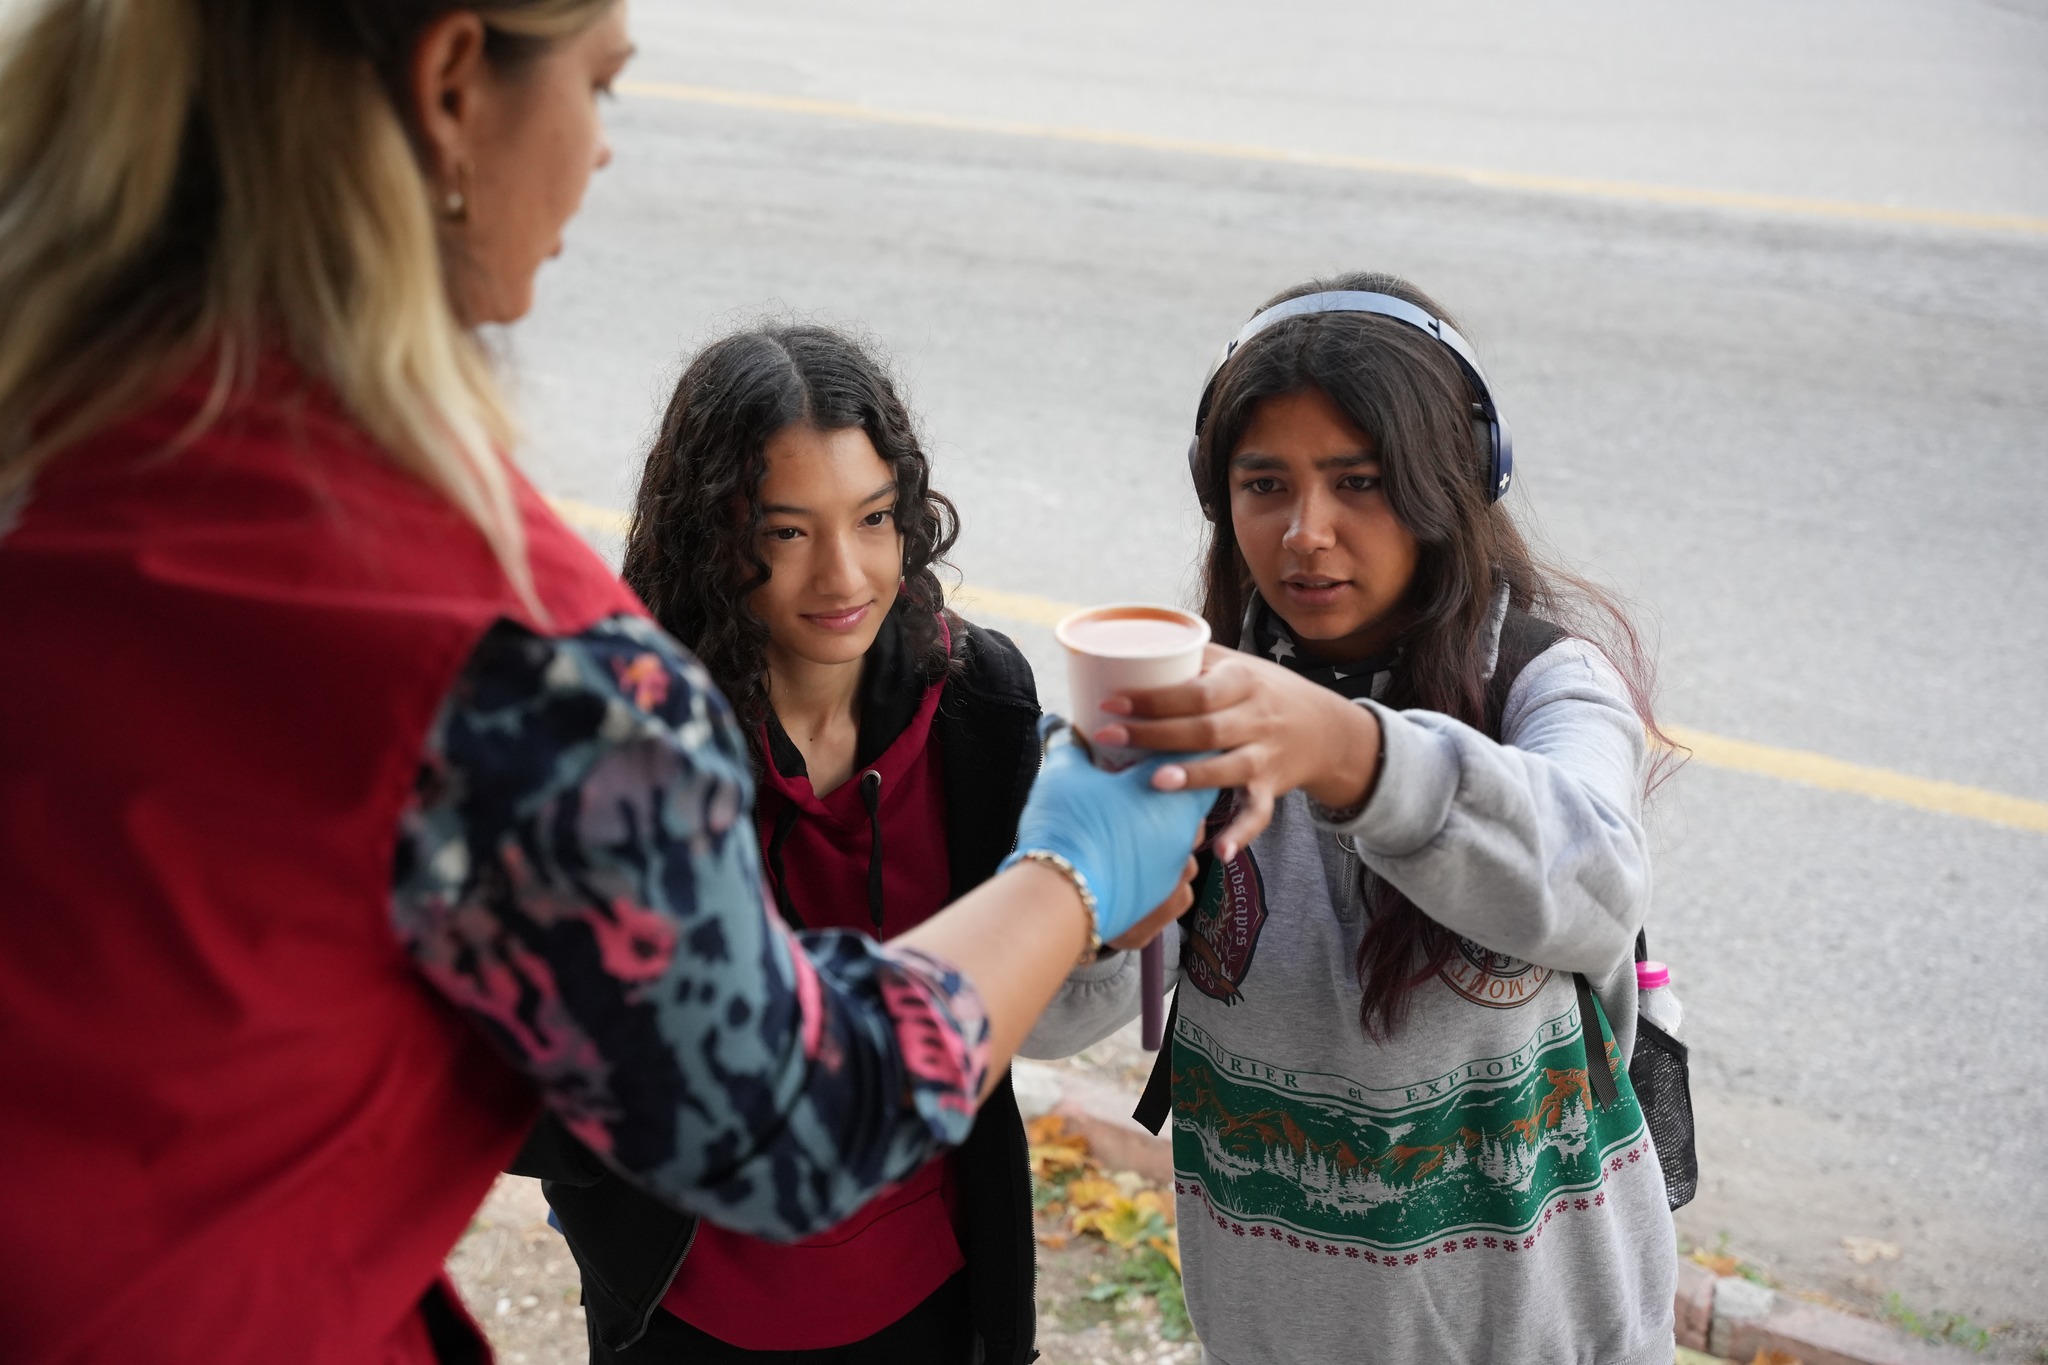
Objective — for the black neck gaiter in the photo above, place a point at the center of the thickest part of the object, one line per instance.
(1271, 639)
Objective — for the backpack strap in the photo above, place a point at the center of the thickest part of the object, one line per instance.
(1522, 638)
(1157, 1101)
(1598, 1074)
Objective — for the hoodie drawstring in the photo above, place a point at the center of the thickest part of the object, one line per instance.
(784, 823)
(871, 797)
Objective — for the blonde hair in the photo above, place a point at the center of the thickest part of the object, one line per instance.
(191, 179)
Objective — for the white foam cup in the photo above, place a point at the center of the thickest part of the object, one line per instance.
(1128, 647)
(1125, 647)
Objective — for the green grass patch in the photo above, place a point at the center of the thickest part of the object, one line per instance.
(1949, 1329)
(1148, 1272)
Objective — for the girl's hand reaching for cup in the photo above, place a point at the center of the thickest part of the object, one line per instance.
(1276, 731)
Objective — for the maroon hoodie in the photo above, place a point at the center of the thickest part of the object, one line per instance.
(869, 855)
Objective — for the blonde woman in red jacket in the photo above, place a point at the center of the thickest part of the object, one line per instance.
(350, 810)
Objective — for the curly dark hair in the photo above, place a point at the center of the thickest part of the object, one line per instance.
(690, 550)
(1403, 390)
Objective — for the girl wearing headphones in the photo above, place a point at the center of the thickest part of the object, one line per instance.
(1402, 1129)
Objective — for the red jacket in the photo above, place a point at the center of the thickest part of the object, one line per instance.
(237, 1126)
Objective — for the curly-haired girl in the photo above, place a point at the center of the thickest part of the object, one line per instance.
(787, 530)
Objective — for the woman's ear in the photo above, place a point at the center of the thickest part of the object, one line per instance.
(448, 71)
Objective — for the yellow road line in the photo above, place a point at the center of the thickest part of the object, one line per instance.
(1715, 751)
(589, 517)
(1010, 606)
(1832, 774)
(1580, 187)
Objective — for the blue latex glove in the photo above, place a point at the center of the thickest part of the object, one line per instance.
(1129, 842)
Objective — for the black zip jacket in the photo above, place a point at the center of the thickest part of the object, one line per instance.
(628, 1246)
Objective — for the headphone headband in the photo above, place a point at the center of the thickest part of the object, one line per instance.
(1496, 446)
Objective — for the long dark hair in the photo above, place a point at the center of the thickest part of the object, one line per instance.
(1401, 387)
(690, 550)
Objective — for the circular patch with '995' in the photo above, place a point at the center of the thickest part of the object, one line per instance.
(1492, 979)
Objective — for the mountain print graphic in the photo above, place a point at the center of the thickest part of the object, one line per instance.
(1486, 1156)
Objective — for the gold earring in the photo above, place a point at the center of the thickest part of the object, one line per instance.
(455, 204)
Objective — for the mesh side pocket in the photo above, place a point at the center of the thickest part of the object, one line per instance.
(1659, 1073)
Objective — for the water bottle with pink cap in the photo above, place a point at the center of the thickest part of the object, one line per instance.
(1655, 1000)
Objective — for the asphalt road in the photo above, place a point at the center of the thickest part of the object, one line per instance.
(1807, 440)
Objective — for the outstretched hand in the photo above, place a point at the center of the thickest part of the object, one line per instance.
(1276, 731)
(1164, 913)
(1127, 834)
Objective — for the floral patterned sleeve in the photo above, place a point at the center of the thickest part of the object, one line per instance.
(577, 873)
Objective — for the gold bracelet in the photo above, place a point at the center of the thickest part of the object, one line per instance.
(1081, 889)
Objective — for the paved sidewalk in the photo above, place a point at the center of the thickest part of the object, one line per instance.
(516, 1276)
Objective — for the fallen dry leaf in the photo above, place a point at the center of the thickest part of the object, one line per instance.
(1864, 1250)
(1052, 1241)
(1155, 1201)
(1045, 1128)
(1053, 1148)
(1046, 1162)
(1121, 1224)
(1720, 1265)
(1092, 1192)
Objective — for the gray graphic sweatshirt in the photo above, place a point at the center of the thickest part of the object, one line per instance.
(1454, 1194)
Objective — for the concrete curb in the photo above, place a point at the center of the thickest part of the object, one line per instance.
(1729, 1317)
(1747, 1318)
